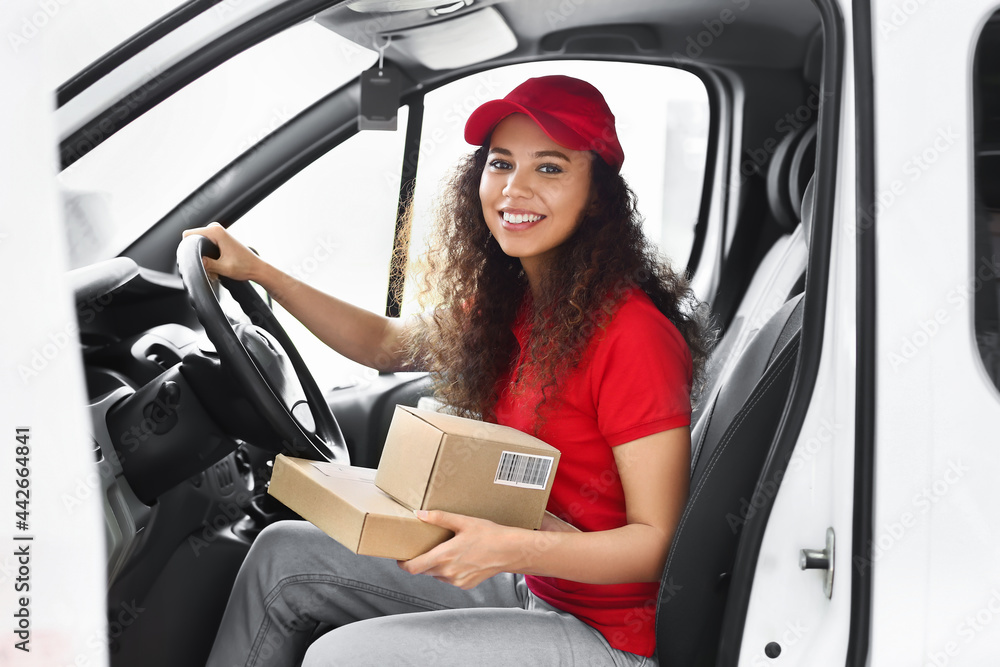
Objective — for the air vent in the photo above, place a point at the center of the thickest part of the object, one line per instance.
(223, 475)
(162, 356)
(444, 10)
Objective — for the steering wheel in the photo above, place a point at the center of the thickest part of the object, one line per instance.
(263, 360)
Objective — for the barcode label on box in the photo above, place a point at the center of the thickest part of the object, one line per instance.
(525, 470)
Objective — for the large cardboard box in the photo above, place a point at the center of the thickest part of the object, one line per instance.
(344, 502)
(436, 461)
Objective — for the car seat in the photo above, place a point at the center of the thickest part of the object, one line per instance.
(730, 442)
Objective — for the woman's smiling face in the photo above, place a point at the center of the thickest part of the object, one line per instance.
(533, 191)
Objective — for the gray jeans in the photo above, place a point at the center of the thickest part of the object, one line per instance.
(302, 598)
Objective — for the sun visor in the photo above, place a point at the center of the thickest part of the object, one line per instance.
(464, 40)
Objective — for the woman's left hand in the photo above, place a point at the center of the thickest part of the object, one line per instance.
(479, 550)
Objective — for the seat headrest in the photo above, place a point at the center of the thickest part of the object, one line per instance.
(809, 209)
(802, 168)
(790, 168)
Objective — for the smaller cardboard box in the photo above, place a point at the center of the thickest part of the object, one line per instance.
(344, 503)
(437, 461)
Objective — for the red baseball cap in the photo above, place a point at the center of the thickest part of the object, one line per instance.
(571, 112)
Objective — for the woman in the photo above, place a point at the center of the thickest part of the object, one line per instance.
(553, 317)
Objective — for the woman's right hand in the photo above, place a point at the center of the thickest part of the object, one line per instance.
(235, 261)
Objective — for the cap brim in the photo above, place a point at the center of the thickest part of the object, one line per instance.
(484, 119)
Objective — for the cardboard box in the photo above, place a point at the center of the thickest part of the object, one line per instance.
(344, 502)
(436, 461)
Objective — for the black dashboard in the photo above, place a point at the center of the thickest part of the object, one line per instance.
(162, 458)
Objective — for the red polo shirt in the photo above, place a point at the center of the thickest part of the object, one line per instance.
(633, 380)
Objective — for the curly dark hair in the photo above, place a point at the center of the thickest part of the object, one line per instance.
(474, 292)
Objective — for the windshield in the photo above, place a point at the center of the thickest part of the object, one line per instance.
(118, 190)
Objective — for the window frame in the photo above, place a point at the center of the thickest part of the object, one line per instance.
(700, 230)
(983, 150)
